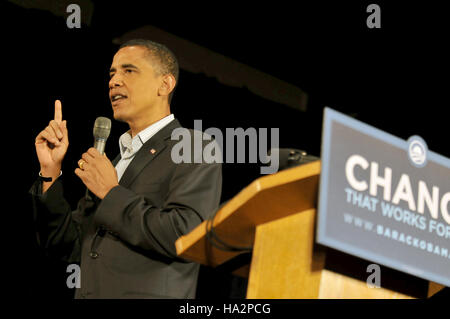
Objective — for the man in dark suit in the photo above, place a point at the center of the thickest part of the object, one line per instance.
(124, 234)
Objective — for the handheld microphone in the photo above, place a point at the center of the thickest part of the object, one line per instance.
(102, 128)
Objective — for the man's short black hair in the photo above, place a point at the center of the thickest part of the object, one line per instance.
(163, 60)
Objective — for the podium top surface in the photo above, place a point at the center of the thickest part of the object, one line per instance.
(266, 199)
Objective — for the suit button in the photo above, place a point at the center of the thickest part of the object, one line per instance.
(93, 254)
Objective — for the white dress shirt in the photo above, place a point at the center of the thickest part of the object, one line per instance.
(130, 146)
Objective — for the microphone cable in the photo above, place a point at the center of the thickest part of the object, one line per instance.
(219, 243)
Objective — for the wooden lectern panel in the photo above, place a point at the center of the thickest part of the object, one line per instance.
(287, 264)
(434, 288)
(284, 264)
(267, 198)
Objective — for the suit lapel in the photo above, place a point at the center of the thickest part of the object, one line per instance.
(116, 160)
(145, 155)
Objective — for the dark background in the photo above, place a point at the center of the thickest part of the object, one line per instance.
(394, 78)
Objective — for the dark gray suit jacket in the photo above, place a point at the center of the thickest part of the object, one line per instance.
(126, 242)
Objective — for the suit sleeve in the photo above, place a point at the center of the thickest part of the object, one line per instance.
(194, 194)
(58, 232)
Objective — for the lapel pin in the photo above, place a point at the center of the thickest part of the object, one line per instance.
(153, 151)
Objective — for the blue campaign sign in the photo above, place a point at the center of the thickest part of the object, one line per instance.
(384, 199)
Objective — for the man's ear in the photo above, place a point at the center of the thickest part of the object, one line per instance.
(167, 85)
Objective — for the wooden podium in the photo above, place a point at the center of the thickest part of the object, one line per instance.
(276, 215)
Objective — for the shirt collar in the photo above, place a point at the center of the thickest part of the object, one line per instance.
(135, 143)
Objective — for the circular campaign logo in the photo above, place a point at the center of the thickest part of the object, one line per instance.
(417, 151)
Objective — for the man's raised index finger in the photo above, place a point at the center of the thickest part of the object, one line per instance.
(58, 111)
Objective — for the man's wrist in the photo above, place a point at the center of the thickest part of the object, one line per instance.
(47, 180)
(50, 178)
(107, 192)
(53, 172)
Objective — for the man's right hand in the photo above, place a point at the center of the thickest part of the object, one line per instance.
(51, 145)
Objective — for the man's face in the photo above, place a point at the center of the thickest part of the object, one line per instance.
(133, 85)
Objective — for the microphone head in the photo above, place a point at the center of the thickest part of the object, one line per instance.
(102, 128)
(290, 157)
